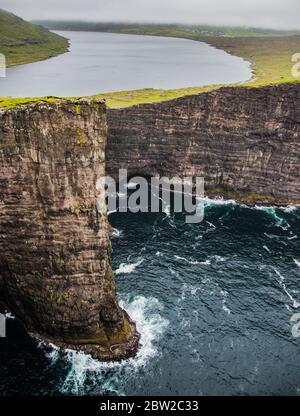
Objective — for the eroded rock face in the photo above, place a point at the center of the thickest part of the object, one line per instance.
(55, 272)
(243, 141)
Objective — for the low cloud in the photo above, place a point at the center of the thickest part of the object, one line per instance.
(281, 14)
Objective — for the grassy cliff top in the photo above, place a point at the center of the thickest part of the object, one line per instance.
(23, 42)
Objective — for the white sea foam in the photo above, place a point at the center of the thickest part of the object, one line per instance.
(279, 222)
(281, 280)
(210, 202)
(126, 268)
(53, 355)
(272, 236)
(109, 376)
(266, 248)
(297, 262)
(167, 210)
(224, 300)
(225, 308)
(115, 233)
(8, 315)
(289, 208)
(191, 261)
(218, 259)
(207, 262)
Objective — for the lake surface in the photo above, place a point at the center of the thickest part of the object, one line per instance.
(213, 302)
(105, 62)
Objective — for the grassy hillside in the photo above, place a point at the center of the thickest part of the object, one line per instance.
(22, 42)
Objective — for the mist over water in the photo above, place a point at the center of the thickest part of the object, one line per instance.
(213, 302)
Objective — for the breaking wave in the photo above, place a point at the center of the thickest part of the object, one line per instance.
(281, 281)
(193, 262)
(297, 262)
(212, 202)
(126, 268)
(115, 233)
(87, 375)
(279, 221)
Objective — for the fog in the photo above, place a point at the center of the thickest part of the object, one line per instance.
(281, 14)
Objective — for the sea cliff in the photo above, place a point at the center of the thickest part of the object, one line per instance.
(244, 141)
(55, 273)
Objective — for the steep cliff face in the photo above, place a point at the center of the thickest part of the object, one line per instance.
(55, 272)
(241, 140)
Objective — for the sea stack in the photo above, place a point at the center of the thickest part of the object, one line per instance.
(55, 273)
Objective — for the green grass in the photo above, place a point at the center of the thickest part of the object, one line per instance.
(148, 95)
(22, 42)
(7, 102)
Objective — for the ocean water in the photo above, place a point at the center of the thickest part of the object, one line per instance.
(106, 62)
(213, 302)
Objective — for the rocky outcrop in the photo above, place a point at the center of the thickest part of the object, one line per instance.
(55, 272)
(245, 142)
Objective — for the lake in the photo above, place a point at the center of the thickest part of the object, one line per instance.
(106, 62)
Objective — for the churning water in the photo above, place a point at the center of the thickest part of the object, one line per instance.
(106, 62)
(213, 302)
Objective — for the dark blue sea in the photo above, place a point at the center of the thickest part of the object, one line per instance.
(213, 303)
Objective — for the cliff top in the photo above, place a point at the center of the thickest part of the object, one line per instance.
(125, 99)
(11, 103)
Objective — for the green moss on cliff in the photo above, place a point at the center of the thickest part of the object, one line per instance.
(15, 102)
(250, 198)
(80, 137)
(104, 338)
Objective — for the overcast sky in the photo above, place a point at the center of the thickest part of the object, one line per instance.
(282, 14)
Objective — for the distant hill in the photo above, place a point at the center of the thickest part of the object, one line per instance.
(22, 42)
(165, 29)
